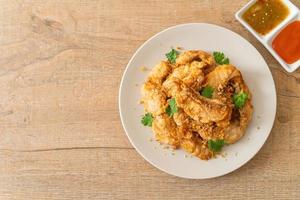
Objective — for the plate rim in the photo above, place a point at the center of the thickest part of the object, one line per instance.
(120, 108)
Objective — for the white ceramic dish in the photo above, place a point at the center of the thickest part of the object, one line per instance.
(267, 39)
(210, 38)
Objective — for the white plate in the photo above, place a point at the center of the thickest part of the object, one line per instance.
(210, 38)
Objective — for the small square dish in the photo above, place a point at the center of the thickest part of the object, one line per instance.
(267, 38)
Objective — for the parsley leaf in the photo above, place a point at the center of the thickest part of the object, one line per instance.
(216, 146)
(172, 108)
(239, 99)
(207, 91)
(147, 119)
(172, 55)
(220, 58)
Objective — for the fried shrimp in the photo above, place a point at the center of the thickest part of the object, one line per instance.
(183, 116)
(227, 80)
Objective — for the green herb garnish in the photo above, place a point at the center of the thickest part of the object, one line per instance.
(239, 99)
(147, 119)
(220, 58)
(207, 91)
(172, 55)
(216, 146)
(172, 108)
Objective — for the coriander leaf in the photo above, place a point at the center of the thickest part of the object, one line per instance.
(168, 111)
(216, 146)
(220, 58)
(207, 91)
(147, 119)
(239, 99)
(172, 108)
(172, 55)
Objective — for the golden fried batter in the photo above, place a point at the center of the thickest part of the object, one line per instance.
(221, 75)
(196, 106)
(191, 75)
(207, 131)
(227, 79)
(197, 119)
(196, 146)
(160, 72)
(165, 130)
(196, 55)
(154, 98)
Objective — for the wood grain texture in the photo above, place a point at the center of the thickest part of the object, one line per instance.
(61, 62)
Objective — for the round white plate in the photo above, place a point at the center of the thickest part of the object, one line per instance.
(210, 38)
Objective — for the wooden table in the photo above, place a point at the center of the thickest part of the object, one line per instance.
(61, 62)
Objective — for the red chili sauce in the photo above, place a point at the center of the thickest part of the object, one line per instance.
(287, 43)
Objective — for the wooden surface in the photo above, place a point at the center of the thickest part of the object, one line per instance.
(61, 62)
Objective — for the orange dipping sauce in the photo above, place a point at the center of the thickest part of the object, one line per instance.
(287, 43)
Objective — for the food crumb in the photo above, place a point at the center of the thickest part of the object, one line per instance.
(258, 117)
(150, 139)
(173, 153)
(258, 127)
(226, 159)
(166, 147)
(236, 153)
(224, 154)
(248, 138)
(136, 85)
(185, 156)
(144, 69)
(179, 48)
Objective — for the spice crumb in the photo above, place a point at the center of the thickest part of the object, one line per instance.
(258, 117)
(173, 153)
(179, 48)
(224, 154)
(144, 69)
(257, 127)
(185, 156)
